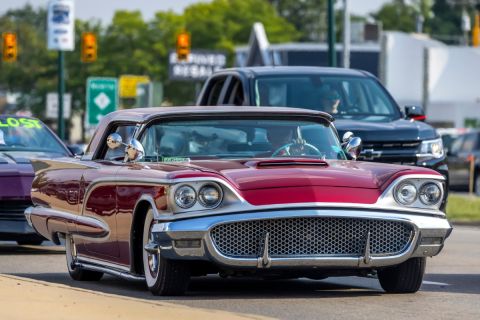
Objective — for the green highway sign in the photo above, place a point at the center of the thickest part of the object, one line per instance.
(102, 98)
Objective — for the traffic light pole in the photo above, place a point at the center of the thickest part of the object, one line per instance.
(61, 91)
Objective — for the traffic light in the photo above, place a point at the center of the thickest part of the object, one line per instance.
(10, 50)
(89, 47)
(183, 46)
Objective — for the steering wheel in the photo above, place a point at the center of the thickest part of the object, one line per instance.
(297, 149)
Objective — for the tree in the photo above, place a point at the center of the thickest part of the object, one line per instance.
(308, 16)
(397, 15)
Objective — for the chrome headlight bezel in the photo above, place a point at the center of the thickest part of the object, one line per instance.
(203, 201)
(199, 205)
(181, 188)
(418, 183)
(431, 149)
(421, 193)
(397, 191)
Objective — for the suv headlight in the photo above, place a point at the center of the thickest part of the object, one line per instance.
(431, 149)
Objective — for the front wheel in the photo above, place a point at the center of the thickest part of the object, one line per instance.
(77, 273)
(163, 277)
(404, 278)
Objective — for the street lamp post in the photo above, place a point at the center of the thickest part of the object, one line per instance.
(346, 34)
(332, 54)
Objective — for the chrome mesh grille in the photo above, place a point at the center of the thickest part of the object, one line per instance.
(311, 237)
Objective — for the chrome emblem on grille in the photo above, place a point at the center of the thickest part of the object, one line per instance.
(370, 154)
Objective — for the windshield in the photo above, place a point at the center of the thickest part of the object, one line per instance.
(342, 96)
(240, 138)
(25, 134)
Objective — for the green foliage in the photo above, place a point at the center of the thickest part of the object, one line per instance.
(397, 15)
(463, 208)
(307, 16)
(130, 45)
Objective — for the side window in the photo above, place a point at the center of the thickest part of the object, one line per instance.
(235, 93)
(457, 144)
(215, 91)
(126, 132)
(468, 143)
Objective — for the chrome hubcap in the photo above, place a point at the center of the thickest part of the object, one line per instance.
(152, 258)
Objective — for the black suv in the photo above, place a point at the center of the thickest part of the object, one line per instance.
(355, 98)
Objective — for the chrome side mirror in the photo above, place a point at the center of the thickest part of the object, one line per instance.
(354, 147)
(347, 136)
(114, 141)
(135, 151)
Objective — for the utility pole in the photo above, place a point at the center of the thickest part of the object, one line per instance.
(61, 91)
(61, 37)
(346, 34)
(332, 54)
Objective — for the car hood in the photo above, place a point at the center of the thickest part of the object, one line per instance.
(16, 173)
(392, 131)
(290, 172)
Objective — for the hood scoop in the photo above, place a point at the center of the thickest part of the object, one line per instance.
(287, 163)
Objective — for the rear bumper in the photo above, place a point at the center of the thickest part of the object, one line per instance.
(191, 239)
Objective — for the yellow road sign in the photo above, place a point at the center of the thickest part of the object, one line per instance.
(128, 85)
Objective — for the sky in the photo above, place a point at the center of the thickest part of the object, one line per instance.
(104, 9)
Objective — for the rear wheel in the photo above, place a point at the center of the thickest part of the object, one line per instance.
(163, 277)
(77, 273)
(404, 278)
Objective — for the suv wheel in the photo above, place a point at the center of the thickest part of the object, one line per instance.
(163, 277)
(403, 278)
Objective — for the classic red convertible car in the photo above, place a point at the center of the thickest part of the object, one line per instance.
(164, 194)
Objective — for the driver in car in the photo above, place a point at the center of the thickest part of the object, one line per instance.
(287, 141)
(329, 100)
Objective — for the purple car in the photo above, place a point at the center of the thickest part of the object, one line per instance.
(21, 139)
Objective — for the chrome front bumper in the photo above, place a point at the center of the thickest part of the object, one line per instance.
(190, 239)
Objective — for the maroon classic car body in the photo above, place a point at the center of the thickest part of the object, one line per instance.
(272, 211)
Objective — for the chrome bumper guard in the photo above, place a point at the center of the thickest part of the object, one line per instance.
(190, 239)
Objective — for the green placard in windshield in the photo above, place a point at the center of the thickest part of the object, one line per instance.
(20, 122)
(174, 159)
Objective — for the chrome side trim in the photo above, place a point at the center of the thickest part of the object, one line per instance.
(117, 273)
(84, 226)
(102, 263)
(28, 213)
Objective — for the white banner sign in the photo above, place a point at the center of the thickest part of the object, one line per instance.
(61, 25)
(52, 105)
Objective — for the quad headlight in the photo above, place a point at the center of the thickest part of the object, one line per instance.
(406, 193)
(419, 193)
(431, 149)
(185, 197)
(198, 196)
(210, 195)
(430, 194)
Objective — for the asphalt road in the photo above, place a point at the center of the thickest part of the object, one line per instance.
(451, 288)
